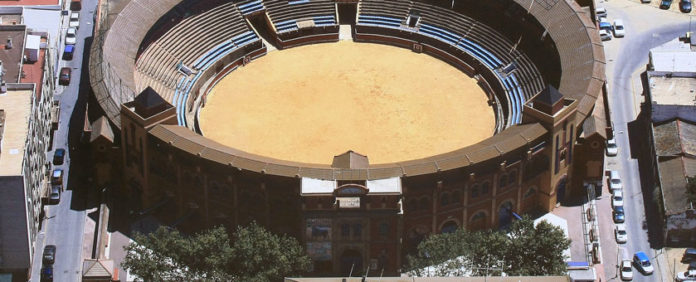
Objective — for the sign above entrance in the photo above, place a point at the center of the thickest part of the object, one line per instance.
(348, 202)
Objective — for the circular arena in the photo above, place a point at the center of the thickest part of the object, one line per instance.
(357, 126)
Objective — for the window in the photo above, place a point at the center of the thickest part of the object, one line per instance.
(345, 230)
(485, 187)
(444, 199)
(530, 192)
(456, 197)
(503, 181)
(512, 177)
(357, 230)
(475, 191)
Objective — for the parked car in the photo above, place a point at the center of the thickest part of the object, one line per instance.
(59, 156)
(685, 6)
(68, 52)
(47, 273)
(601, 12)
(689, 255)
(626, 270)
(618, 214)
(49, 255)
(645, 1)
(616, 199)
(54, 197)
(665, 4)
(71, 36)
(642, 263)
(620, 234)
(604, 35)
(615, 181)
(64, 77)
(619, 31)
(57, 177)
(692, 266)
(689, 275)
(612, 149)
(604, 24)
(75, 20)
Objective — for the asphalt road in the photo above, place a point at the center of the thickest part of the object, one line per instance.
(646, 28)
(64, 223)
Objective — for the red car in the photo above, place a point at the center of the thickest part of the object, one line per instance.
(64, 77)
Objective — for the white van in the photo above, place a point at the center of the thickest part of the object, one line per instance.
(615, 181)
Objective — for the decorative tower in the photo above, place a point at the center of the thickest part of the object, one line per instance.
(556, 113)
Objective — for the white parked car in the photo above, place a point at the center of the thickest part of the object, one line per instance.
(612, 149)
(617, 198)
(626, 270)
(601, 12)
(619, 28)
(620, 234)
(615, 181)
(604, 35)
(75, 20)
(71, 36)
(689, 275)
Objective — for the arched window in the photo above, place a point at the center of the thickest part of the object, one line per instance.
(478, 221)
(512, 177)
(449, 227)
(475, 191)
(503, 181)
(485, 187)
(456, 197)
(530, 192)
(444, 199)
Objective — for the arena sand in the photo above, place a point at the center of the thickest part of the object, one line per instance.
(307, 104)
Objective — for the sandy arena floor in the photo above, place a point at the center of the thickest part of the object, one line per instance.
(309, 103)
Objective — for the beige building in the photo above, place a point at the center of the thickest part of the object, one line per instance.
(26, 97)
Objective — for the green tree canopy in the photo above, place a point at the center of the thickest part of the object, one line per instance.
(524, 249)
(253, 254)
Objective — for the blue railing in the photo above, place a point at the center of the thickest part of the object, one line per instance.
(251, 7)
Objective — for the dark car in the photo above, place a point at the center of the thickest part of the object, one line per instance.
(64, 77)
(68, 52)
(665, 4)
(47, 273)
(49, 255)
(58, 156)
(685, 6)
(689, 255)
(619, 214)
(54, 197)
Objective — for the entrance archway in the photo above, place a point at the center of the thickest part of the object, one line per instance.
(449, 227)
(505, 214)
(561, 189)
(351, 259)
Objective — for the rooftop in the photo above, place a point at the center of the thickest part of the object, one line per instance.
(676, 56)
(12, 57)
(33, 71)
(17, 107)
(28, 2)
(675, 138)
(673, 172)
(673, 90)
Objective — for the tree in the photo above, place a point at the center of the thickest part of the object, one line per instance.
(524, 249)
(691, 189)
(254, 254)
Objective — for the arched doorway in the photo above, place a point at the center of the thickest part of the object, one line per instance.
(449, 227)
(561, 189)
(505, 214)
(351, 259)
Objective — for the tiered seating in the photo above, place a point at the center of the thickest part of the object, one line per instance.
(250, 6)
(286, 14)
(197, 42)
(520, 78)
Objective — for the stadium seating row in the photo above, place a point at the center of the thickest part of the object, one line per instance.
(516, 73)
(286, 14)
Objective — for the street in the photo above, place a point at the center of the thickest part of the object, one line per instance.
(63, 225)
(646, 28)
